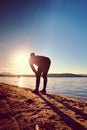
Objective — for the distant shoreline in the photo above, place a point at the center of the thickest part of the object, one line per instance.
(49, 75)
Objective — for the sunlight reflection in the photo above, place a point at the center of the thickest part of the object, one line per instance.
(20, 81)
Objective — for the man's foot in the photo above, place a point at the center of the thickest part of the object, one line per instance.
(35, 91)
(43, 91)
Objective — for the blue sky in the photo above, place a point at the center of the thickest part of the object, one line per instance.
(54, 28)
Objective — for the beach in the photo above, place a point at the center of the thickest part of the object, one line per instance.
(20, 109)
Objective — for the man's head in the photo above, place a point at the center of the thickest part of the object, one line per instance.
(32, 54)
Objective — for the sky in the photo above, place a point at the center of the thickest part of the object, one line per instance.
(53, 28)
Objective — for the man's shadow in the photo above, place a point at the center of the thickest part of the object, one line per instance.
(77, 111)
(68, 120)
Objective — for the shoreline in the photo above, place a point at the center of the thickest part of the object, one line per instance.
(22, 109)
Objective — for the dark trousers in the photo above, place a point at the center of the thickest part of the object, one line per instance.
(42, 71)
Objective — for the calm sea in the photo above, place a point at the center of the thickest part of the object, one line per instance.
(72, 87)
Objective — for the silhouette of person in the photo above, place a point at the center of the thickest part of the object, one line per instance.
(43, 65)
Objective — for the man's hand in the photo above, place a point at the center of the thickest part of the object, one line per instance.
(35, 73)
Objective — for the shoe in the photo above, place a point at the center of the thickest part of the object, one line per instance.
(43, 91)
(35, 91)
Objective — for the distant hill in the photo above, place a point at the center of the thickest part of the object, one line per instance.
(7, 74)
(66, 75)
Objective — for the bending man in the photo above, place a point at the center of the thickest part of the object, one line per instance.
(43, 64)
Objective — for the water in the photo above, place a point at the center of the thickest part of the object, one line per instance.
(72, 87)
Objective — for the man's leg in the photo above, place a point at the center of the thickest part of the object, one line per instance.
(44, 75)
(44, 83)
(37, 82)
(38, 78)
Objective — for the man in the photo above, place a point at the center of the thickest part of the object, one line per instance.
(43, 64)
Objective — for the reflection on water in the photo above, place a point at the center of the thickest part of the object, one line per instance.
(74, 87)
(20, 83)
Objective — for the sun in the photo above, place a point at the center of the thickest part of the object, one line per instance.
(21, 62)
(20, 59)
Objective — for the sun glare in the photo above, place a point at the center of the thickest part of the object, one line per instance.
(20, 59)
(21, 62)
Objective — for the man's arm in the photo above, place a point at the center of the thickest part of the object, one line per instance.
(33, 68)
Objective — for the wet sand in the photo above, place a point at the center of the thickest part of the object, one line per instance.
(20, 109)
